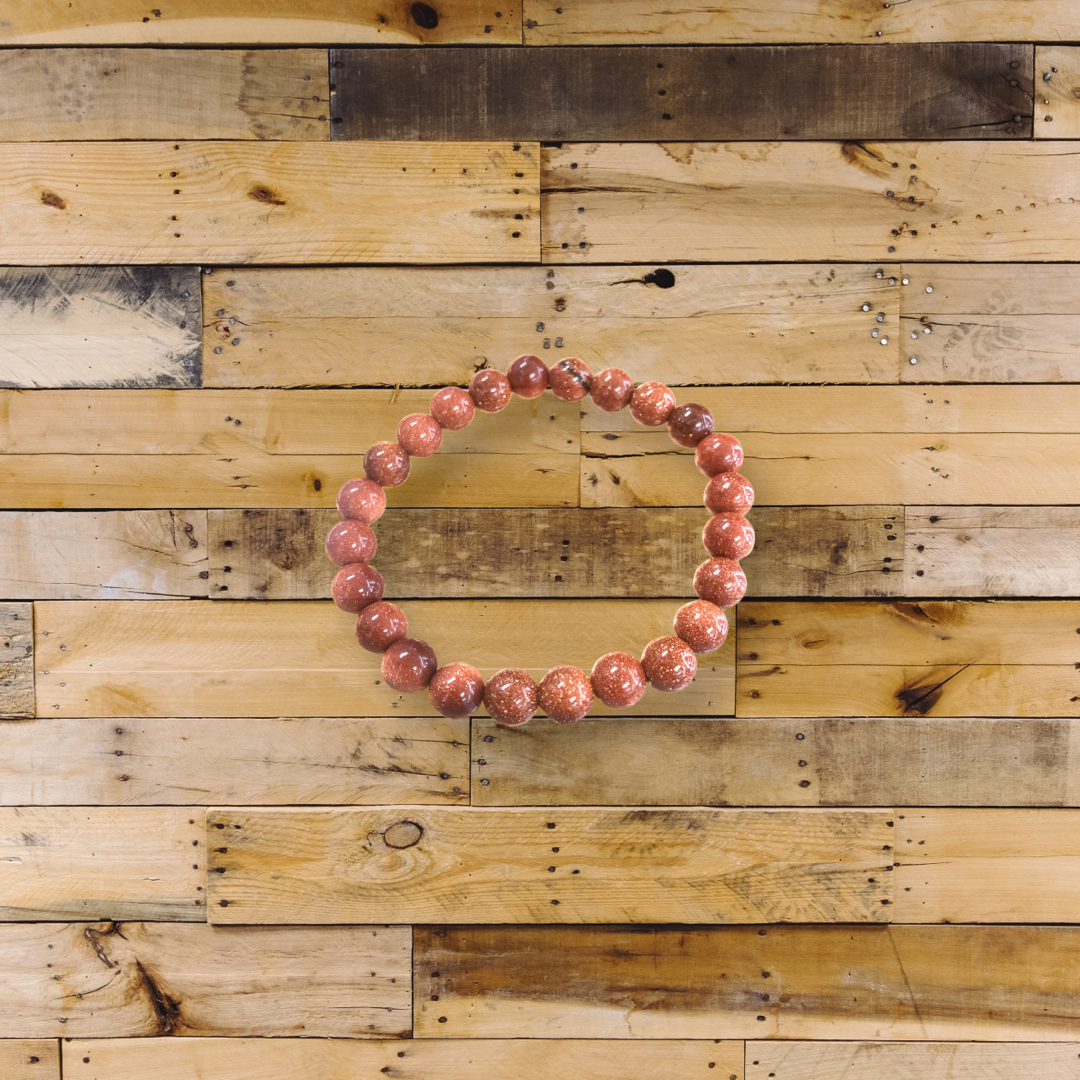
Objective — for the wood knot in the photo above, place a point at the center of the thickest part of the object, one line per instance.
(50, 198)
(402, 834)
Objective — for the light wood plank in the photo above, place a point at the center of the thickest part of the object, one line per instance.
(107, 326)
(17, 663)
(273, 202)
(951, 201)
(499, 866)
(683, 325)
(148, 761)
(200, 658)
(34, 1059)
(52, 94)
(115, 980)
(986, 983)
(108, 863)
(1057, 103)
(430, 1059)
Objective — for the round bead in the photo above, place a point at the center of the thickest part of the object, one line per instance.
(729, 535)
(456, 690)
(718, 453)
(408, 665)
(355, 586)
(651, 404)
(528, 376)
(689, 424)
(618, 680)
(728, 491)
(490, 390)
(361, 500)
(669, 663)
(511, 696)
(703, 626)
(570, 379)
(720, 581)
(566, 694)
(612, 389)
(419, 435)
(350, 542)
(453, 408)
(379, 625)
(387, 464)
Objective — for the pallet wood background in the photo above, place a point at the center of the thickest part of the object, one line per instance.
(240, 240)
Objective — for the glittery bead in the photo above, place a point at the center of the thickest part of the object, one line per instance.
(651, 404)
(408, 665)
(453, 408)
(618, 680)
(612, 389)
(566, 694)
(728, 534)
(490, 390)
(379, 625)
(511, 696)
(355, 586)
(689, 424)
(729, 491)
(350, 542)
(528, 376)
(669, 663)
(361, 500)
(419, 435)
(703, 626)
(720, 581)
(387, 464)
(570, 379)
(456, 690)
(718, 453)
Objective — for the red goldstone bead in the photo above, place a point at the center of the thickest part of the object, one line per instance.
(379, 625)
(566, 694)
(408, 665)
(718, 453)
(652, 404)
(355, 586)
(419, 435)
(669, 663)
(456, 690)
(387, 464)
(618, 680)
(728, 491)
(350, 542)
(453, 408)
(729, 535)
(720, 581)
(612, 389)
(490, 390)
(570, 379)
(689, 424)
(361, 500)
(528, 376)
(511, 697)
(703, 626)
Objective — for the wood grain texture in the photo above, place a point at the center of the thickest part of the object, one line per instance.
(17, 664)
(954, 91)
(1057, 92)
(994, 984)
(683, 325)
(30, 1059)
(198, 761)
(272, 202)
(115, 863)
(882, 761)
(201, 658)
(117, 980)
(499, 866)
(951, 201)
(101, 326)
(54, 94)
(428, 1059)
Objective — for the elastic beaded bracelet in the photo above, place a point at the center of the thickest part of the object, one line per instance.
(511, 696)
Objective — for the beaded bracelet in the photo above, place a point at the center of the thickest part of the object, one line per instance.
(511, 696)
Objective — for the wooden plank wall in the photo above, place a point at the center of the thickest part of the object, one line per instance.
(240, 240)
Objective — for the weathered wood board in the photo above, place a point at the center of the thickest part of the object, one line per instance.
(1057, 105)
(38, 1059)
(268, 202)
(115, 980)
(201, 658)
(147, 761)
(16, 661)
(54, 94)
(500, 866)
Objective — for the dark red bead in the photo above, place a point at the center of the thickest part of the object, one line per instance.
(669, 663)
(618, 680)
(350, 542)
(689, 424)
(453, 408)
(702, 625)
(379, 625)
(361, 500)
(419, 435)
(728, 491)
(511, 696)
(718, 453)
(528, 376)
(720, 581)
(570, 379)
(456, 690)
(408, 665)
(355, 586)
(728, 534)
(490, 390)
(612, 389)
(387, 464)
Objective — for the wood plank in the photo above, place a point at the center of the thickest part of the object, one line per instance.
(115, 980)
(432, 1059)
(187, 762)
(952, 201)
(31, 1059)
(200, 658)
(990, 289)
(17, 666)
(990, 983)
(1057, 106)
(108, 863)
(271, 22)
(498, 866)
(883, 761)
(107, 326)
(644, 93)
(273, 202)
(684, 325)
(53, 94)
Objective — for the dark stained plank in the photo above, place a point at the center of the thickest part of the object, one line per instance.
(16, 661)
(910, 91)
